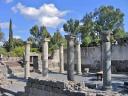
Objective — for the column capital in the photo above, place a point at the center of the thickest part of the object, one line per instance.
(69, 37)
(46, 39)
(28, 42)
(77, 42)
(105, 35)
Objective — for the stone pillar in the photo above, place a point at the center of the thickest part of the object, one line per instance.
(70, 57)
(106, 46)
(40, 63)
(61, 58)
(78, 57)
(27, 59)
(45, 57)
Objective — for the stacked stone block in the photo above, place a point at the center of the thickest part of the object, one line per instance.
(37, 87)
(48, 87)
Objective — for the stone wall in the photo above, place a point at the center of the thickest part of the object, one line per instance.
(37, 87)
(53, 62)
(48, 87)
(91, 57)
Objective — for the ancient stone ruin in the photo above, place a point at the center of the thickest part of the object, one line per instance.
(47, 87)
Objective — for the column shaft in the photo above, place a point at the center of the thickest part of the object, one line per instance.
(70, 57)
(107, 65)
(78, 56)
(27, 60)
(45, 58)
(61, 59)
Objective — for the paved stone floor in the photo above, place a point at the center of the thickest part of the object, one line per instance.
(18, 82)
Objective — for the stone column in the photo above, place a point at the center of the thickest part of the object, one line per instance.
(40, 63)
(27, 59)
(106, 46)
(78, 57)
(45, 57)
(61, 58)
(70, 57)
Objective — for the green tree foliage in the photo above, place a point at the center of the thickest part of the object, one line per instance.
(34, 50)
(56, 40)
(37, 34)
(108, 18)
(71, 27)
(103, 18)
(10, 45)
(3, 51)
(18, 42)
(87, 40)
(17, 52)
(119, 33)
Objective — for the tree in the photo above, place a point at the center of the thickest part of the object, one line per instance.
(10, 46)
(108, 18)
(87, 30)
(56, 40)
(119, 33)
(18, 43)
(71, 27)
(103, 18)
(37, 34)
(44, 33)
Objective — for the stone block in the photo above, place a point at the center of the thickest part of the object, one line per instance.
(92, 86)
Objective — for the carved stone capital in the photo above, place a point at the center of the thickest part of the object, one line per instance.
(70, 37)
(46, 39)
(105, 36)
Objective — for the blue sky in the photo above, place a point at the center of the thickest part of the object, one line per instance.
(52, 13)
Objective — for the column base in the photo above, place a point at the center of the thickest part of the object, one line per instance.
(107, 87)
(45, 75)
(62, 72)
(27, 77)
(79, 73)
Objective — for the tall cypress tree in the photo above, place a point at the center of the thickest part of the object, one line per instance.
(10, 36)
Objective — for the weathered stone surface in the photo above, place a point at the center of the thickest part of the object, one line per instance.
(106, 46)
(48, 87)
(61, 58)
(27, 60)
(70, 57)
(45, 57)
(78, 57)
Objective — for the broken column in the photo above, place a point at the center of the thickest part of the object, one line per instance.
(106, 45)
(61, 58)
(78, 57)
(45, 57)
(27, 59)
(70, 57)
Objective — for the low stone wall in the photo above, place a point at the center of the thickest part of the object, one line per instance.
(53, 88)
(47, 87)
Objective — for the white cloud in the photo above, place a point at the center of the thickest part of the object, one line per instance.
(5, 25)
(47, 14)
(17, 37)
(8, 1)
